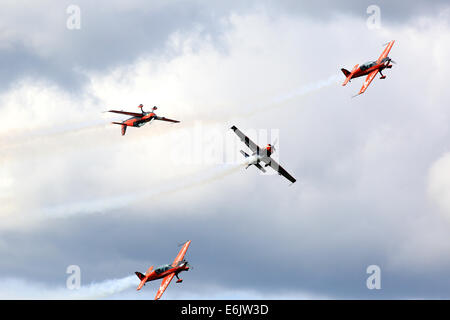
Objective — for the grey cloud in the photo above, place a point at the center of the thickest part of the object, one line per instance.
(230, 248)
(111, 36)
(20, 62)
(359, 200)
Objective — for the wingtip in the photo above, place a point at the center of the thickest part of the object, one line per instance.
(182, 244)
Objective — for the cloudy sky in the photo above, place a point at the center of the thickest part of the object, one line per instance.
(373, 172)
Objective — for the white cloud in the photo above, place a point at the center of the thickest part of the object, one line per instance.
(439, 184)
(362, 164)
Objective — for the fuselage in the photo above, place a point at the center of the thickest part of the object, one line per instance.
(140, 121)
(154, 275)
(368, 67)
(256, 158)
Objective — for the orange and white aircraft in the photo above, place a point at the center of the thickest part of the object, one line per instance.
(370, 68)
(167, 272)
(139, 119)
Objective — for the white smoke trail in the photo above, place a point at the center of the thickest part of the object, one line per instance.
(308, 88)
(122, 201)
(104, 289)
(28, 136)
(277, 102)
(14, 288)
(34, 136)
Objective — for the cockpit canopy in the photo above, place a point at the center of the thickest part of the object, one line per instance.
(163, 268)
(367, 65)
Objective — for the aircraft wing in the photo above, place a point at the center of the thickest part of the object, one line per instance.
(253, 146)
(279, 169)
(164, 284)
(181, 254)
(133, 114)
(368, 80)
(386, 50)
(166, 119)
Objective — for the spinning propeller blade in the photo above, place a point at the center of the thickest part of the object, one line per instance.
(275, 142)
(390, 60)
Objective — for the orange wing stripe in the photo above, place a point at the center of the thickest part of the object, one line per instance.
(181, 254)
(164, 284)
(368, 81)
(386, 50)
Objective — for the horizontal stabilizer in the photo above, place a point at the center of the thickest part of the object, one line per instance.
(259, 167)
(245, 154)
(348, 74)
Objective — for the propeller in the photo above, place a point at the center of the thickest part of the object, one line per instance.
(185, 263)
(274, 143)
(390, 60)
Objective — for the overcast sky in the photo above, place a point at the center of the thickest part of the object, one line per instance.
(373, 172)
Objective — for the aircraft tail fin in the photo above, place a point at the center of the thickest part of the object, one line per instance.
(124, 127)
(345, 72)
(143, 278)
(139, 275)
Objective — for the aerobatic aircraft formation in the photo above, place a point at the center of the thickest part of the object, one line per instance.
(260, 158)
